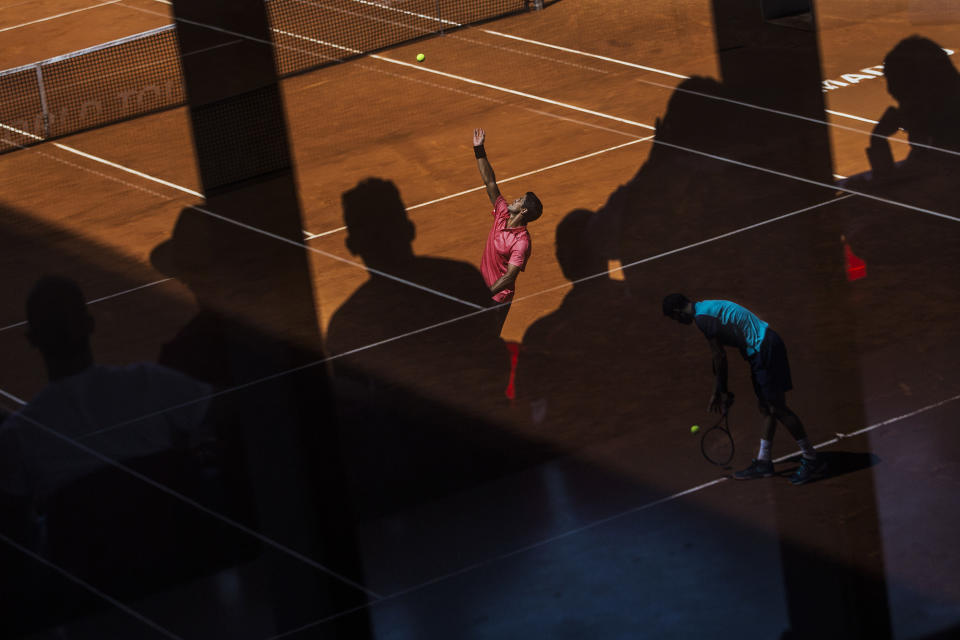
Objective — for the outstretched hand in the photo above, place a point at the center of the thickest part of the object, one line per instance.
(720, 402)
(478, 137)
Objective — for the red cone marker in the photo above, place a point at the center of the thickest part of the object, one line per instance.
(856, 268)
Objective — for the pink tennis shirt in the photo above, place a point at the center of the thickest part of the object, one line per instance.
(504, 247)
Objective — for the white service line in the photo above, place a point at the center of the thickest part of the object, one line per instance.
(852, 117)
(522, 94)
(478, 83)
(666, 73)
(592, 525)
(595, 56)
(501, 181)
(826, 185)
(121, 167)
(586, 54)
(59, 15)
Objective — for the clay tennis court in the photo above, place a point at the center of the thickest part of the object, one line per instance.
(601, 519)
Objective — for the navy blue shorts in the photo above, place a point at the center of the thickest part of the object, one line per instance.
(770, 370)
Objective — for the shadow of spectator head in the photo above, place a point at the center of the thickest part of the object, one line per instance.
(693, 115)
(58, 322)
(378, 229)
(919, 71)
(191, 253)
(578, 254)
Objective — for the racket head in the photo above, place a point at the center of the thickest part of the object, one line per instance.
(717, 445)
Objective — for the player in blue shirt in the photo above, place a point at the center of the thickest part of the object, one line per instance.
(727, 324)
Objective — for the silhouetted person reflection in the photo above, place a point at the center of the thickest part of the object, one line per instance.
(85, 402)
(71, 505)
(575, 360)
(922, 79)
(410, 404)
(926, 86)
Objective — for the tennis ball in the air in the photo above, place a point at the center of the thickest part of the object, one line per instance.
(694, 428)
(421, 57)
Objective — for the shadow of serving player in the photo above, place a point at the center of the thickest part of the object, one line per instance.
(417, 405)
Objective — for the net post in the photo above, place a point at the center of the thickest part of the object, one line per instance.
(43, 102)
(439, 17)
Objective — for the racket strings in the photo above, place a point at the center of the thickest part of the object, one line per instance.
(717, 444)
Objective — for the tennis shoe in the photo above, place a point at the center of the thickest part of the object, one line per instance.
(810, 469)
(757, 469)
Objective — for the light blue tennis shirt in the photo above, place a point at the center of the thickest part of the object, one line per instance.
(731, 324)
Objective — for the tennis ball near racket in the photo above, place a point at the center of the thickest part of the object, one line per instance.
(421, 57)
(695, 428)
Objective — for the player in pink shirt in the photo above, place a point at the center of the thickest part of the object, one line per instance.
(508, 244)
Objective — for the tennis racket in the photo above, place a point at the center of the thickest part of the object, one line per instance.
(716, 444)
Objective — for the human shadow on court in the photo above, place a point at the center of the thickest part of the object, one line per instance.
(925, 84)
(571, 370)
(64, 497)
(419, 367)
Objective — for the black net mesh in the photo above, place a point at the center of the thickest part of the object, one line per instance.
(21, 111)
(128, 78)
(142, 74)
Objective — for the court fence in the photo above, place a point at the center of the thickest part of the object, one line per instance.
(142, 74)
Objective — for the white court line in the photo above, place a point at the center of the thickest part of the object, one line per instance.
(503, 181)
(121, 167)
(596, 56)
(522, 94)
(827, 185)
(59, 15)
(615, 61)
(737, 102)
(852, 117)
(108, 297)
(586, 54)
(16, 399)
(478, 83)
(592, 525)
(89, 587)
(675, 75)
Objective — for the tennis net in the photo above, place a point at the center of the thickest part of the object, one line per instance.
(142, 73)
